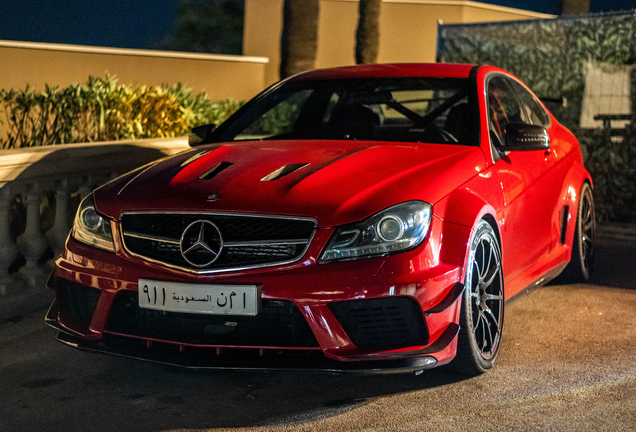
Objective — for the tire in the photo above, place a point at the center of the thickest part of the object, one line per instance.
(580, 266)
(482, 311)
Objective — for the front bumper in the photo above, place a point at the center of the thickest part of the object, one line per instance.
(246, 359)
(427, 277)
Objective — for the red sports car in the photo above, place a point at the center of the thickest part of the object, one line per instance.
(366, 218)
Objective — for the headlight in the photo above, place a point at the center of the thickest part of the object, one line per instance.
(399, 228)
(92, 228)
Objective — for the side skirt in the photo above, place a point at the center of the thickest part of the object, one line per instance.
(538, 283)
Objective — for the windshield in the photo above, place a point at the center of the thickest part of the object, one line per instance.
(432, 110)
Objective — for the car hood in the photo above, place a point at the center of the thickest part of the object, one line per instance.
(335, 182)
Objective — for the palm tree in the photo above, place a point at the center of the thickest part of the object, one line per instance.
(214, 27)
(299, 40)
(368, 32)
(571, 7)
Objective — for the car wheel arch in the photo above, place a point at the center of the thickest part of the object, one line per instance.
(465, 207)
(580, 265)
(492, 221)
(574, 180)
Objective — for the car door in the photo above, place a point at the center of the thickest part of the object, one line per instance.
(522, 174)
(554, 178)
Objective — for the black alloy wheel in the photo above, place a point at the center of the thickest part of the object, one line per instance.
(482, 313)
(580, 266)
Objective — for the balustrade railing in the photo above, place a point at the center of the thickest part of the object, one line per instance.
(40, 189)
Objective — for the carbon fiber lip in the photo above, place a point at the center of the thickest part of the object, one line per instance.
(236, 361)
(314, 361)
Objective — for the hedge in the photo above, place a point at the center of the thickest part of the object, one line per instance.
(612, 164)
(102, 110)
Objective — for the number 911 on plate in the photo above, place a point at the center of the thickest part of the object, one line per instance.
(199, 298)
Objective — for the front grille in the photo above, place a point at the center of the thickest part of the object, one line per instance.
(279, 324)
(77, 302)
(389, 322)
(247, 240)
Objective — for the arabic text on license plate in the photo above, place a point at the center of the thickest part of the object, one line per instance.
(199, 298)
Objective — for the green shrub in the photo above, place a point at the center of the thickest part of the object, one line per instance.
(101, 110)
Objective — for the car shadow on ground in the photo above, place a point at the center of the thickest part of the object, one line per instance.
(614, 264)
(242, 399)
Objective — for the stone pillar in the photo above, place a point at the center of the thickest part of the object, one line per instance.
(32, 242)
(86, 187)
(60, 229)
(8, 250)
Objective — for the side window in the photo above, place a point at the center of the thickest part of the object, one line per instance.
(535, 112)
(503, 108)
(279, 120)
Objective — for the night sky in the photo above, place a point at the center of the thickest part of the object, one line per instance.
(114, 23)
(148, 24)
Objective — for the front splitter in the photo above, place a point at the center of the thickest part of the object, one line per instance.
(230, 360)
(238, 359)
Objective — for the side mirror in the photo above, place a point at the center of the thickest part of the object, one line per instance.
(524, 137)
(198, 134)
(562, 101)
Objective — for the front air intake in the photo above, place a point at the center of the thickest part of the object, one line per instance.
(77, 302)
(384, 323)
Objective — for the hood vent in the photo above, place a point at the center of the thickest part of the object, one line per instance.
(195, 157)
(283, 171)
(215, 170)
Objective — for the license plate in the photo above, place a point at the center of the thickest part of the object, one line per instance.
(198, 298)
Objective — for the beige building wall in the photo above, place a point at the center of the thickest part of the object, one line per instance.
(221, 76)
(262, 28)
(408, 29)
(336, 33)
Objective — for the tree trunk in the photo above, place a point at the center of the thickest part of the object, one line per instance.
(368, 32)
(575, 7)
(299, 40)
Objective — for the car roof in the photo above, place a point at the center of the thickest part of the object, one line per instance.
(440, 70)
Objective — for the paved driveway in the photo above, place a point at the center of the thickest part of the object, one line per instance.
(568, 362)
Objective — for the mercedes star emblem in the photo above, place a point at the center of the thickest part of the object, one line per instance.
(201, 243)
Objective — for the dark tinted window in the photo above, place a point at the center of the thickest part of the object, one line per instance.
(534, 111)
(434, 110)
(503, 108)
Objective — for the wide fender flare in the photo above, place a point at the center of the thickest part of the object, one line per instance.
(576, 176)
(570, 195)
(465, 207)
